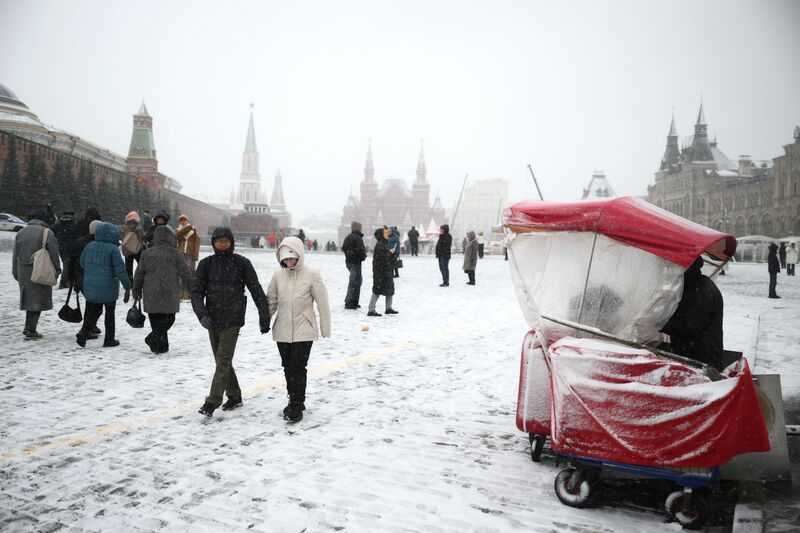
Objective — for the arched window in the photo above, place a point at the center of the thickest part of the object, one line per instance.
(739, 226)
(752, 225)
(766, 225)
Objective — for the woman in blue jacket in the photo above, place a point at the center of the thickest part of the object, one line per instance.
(103, 271)
(394, 249)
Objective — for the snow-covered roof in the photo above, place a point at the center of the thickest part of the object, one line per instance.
(598, 187)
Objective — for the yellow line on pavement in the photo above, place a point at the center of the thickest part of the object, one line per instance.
(92, 435)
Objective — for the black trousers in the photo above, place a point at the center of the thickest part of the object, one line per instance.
(158, 338)
(471, 276)
(294, 358)
(414, 249)
(92, 315)
(773, 282)
(129, 263)
(790, 269)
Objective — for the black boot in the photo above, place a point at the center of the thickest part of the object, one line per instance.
(293, 412)
(232, 403)
(207, 409)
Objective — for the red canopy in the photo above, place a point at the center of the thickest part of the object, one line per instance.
(630, 220)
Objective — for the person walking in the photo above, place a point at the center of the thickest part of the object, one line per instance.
(161, 219)
(773, 267)
(791, 259)
(382, 277)
(481, 245)
(302, 236)
(292, 293)
(393, 243)
(219, 302)
(354, 255)
(443, 246)
(413, 241)
(782, 254)
(65, 233)
(33, 297)
(189, 245)
(103, 271)
(132, 244)
(158, 280)
(471, 257)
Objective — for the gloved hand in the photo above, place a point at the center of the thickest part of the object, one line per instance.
(127, 296)
(206, 322)
(137, 294)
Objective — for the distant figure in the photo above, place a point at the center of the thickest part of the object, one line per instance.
(354, 255)
(443, 246)
(791, 259)
(160, 219)
(189, 245)
(394, 248)
(413, 240)
(695, 329)
(132, 244)
(773, 267)
(481, 245)
(65, 232)
(147, 221)
(302, 236)
(471, 257)
(315, 245)
(262, 242)
(782, 254)
(33, 297)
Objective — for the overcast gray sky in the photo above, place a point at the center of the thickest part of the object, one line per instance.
(490, 86)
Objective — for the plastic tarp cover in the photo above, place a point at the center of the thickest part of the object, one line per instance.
(620, 404)
(533, 399)
(630, 293)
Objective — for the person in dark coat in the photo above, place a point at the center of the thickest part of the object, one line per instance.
(161, 219)
(394, 249)
(132, 244)
(82, 227)
(33, 297)
(471, 257)
(65, 233)
(147, 221)
(49, 216)
(782, 254)
(157, 279)
(219, 302)
(302, 236)
(695, 329)
(354, 255)
(443, 246)
(382, 277)
(774, 268)
(103, 271)
(413, 241)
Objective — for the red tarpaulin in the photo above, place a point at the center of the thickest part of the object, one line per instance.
(629, 220)
(621, 404)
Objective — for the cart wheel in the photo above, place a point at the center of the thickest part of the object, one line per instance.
(687, 508)
(537, 445)
(573, 488)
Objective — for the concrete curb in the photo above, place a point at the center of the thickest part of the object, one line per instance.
(750, 515)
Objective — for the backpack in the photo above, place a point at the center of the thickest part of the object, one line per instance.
(131, 244)
(44, 272)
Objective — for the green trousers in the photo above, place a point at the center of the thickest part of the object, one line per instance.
(223, 344)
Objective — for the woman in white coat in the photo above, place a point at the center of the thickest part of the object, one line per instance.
(291, 295)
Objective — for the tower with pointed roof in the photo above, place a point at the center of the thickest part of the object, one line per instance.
(141, 159)
(369, 191)
(701, 148)
(421, 189)
(250, 177)
(278, 203)
(672, 153)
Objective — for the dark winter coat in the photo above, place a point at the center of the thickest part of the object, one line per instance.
(103, 266)
(158, 271)
(773, 265)
(382, 272)
(149, 232)
(82, 227)
(75, 269)
(65, 231)
(394, 242)
(471, 253)
(218, 290)
(445, 243)
(353, 248)
(33, 296)
(782, 253)
(695, 329)
(413, 235)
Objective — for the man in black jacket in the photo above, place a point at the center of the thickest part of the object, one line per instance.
(354, 255)
(774, 268)
(65, 233)
(219, 302)
(413, 240)
(443, 246)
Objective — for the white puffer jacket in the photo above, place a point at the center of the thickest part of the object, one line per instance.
(791, 256)
(291, 296)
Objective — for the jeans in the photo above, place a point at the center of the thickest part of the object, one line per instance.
(294, 358)
(444, 269)
(223, 345)
(373, 301)
(158, 339)
(353, 285)
(92, 315)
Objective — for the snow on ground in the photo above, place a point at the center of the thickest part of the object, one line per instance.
(409, 425)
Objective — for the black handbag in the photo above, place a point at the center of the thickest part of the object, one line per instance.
(135, 318)
(68, 314)
(398, 263)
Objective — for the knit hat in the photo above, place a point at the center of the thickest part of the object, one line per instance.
(93, 226)
(285, 253)
(133, 215)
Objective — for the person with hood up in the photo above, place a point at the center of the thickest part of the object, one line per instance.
(791, 259)
(132, 243)
(158, 276)
(220, 304)
(160, 219)
(471, 257)
(292, 292)
(393, 242)
(189, 245)
(443, 246)
(65, 233)
(354, 255)
(774, 268)
(382, 277)
(33, 297)
(695, 329)
(103, 271)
